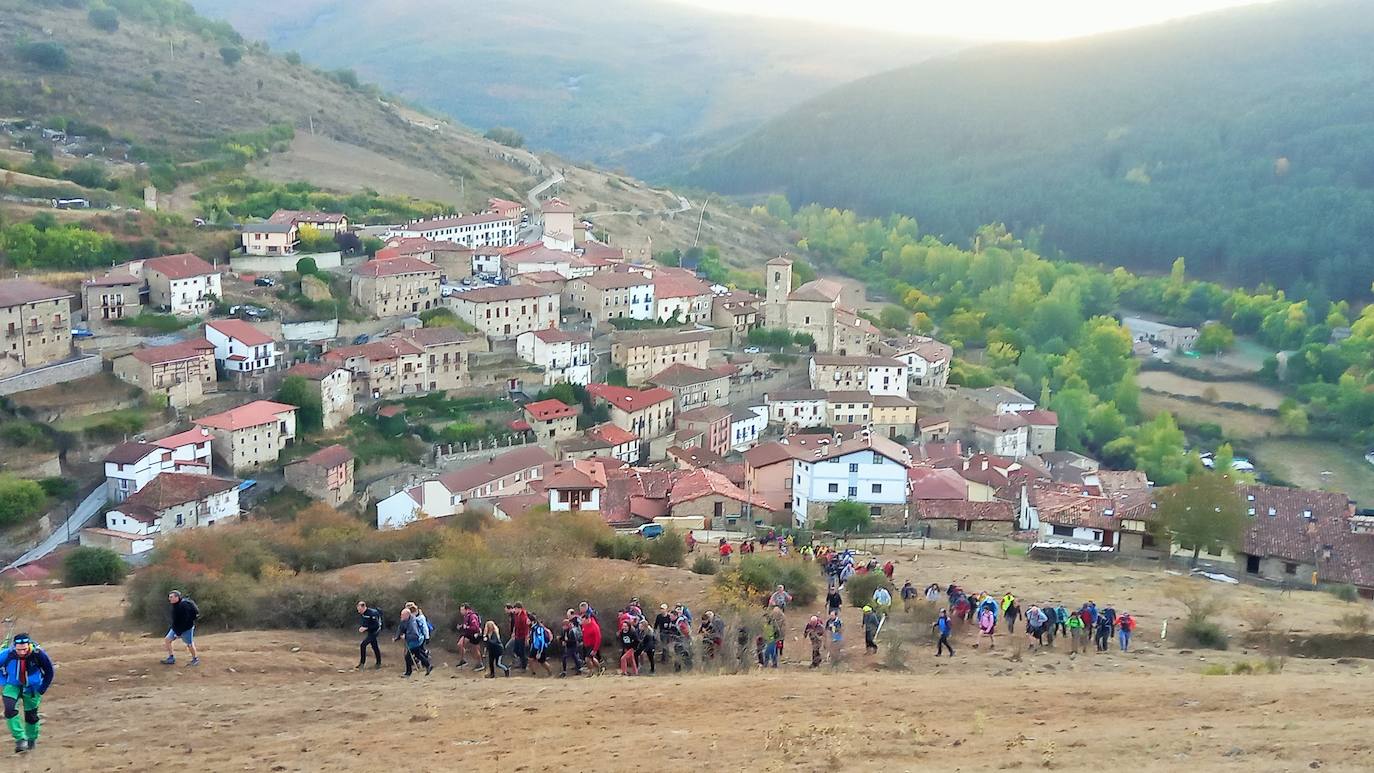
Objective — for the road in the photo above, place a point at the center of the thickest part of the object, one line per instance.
(84, 512)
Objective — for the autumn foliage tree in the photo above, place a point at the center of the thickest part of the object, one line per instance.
(1203, 513)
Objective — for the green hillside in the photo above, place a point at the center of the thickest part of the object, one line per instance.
(1242, 140)
(619, 82)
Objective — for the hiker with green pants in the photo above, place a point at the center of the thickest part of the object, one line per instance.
(26, 672)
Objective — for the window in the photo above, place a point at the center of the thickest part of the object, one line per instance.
(853, 492)
(833, 488)
(877, 488)
(180, 519)
(1063, 531)
(1290, 568)
(854, 467)
(878, 458)
(875, 512)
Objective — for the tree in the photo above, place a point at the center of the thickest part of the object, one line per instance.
(231, 55)
(306, 267)
(894, 318)
(616, 377)
(20, 500)
(1204, 513)
(1159, 451)
(104, 19)
(292, 57)
(93, 566)
(295, 390)
(506, 136)
(45, 54)
(847, 516)
(1215, 338)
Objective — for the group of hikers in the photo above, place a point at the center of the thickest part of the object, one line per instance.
(1041, 622)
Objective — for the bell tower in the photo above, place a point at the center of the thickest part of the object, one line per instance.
(778, 284)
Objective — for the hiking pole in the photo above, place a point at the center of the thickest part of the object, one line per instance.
(880, 625)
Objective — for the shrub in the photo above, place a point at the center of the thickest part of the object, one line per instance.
(1358, 623)
(704, 564)
(862, 586)
(1203, 633)
(104, 19)
(20, 500)
(1346, 593)
(58, 488)
(231, 55)
(505, 136)
(292, 57)
(93, 566)
(621, 547)
(756, 576)
(668, 550)
(45, 54)
(307, 267)
(88, 174)
(23, 433)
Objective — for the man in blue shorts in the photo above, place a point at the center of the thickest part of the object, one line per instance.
(184, 614)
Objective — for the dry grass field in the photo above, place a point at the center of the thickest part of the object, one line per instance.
(1245, 392)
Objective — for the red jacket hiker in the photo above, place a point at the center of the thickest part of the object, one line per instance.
(520, 624)
(591, 634)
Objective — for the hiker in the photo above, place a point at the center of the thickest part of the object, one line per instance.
(591, 640)
(1035, 624)
(519, 633)
(871, 624)
(539, 639)
(987, 625)
(422, 625)
(1075, 627)
(888, 570)
(836, 628)
(682, 640)
(667, 630)
(1007, 600)
(491, 636)
(1104, 633)
(369, 625)
(815, 633)
(629, 646)
(933, 593)
(648, 642)
(882, 599)
(1011, 612)
(409, 629)
(833, 601)
(26, 672)
(1127, 628)
(1110, 615)
(770, 643)
(691, 541)
(779, 619)
(780, 598)
(571, 639)
(184, 614)
(469, 636)
(712, 632)
(943, 625)
(908, 593)
(1061, 620)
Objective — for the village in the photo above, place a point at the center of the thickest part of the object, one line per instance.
(616, 385)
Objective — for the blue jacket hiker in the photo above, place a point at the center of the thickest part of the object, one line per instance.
(26, 671)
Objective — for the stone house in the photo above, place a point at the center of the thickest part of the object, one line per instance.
(551, 421)
(608, 295)
(183, 284)
(798, 408)
(643, 353)
(251, 436)
(565, 357)
(503, 312)
(111, 297)
(721, 504)
(647, 413)
(488, 229)
(737, 311)
(169, 502)
(37, 321)
(270, 238)
(335, 388)
(183, 372)
(395, 287)
(954, 517)
(1002, 434)
(894, 416)
(866, 373)
(1042, 427)
(714, 423)
(499, 476)
(326, 475)
(693, 387)
(241, 349)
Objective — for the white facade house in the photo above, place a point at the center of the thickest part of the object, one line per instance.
(503, 475)
(481, 230)
(486, 262)
(132, 465)
(1002, 434)
(747, 426)
(797, 408)
(871, 471)
(927, 360)
(174, 501)
(875, 375)
(1000, 399)
(241, 348)
(565, 357)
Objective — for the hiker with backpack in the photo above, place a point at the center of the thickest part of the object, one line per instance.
(571, 639)
(422, 625)
(491, 637)
(184, 615)
(409, 629)
(539, 640)
(591, 638)
(944, 627)
(469, 636)
(1127, 627)
(519, 633)
(26, 672)
(1103, 633)
(648, 642)
(369, 625)
(667, 631)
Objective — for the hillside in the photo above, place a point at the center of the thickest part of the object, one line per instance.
(630, 83)
(1242, 140)
(161, 83)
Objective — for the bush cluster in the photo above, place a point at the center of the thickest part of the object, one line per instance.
(757, 576)
(862, 586)
(93, 566)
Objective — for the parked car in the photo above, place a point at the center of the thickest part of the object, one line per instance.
(265, 281)
(81, 332)
(751, 350)
(650, 531)
(361, 338)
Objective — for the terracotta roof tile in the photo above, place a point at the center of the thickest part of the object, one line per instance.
(183, 266)
(253, 414)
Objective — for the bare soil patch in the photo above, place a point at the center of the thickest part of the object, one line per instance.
(1245, 392)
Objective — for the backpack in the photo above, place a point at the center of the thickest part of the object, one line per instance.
(539, 637)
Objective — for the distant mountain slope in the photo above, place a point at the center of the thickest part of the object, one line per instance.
(1243, 140)
(612, 81)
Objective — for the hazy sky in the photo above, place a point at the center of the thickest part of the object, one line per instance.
(979, 19)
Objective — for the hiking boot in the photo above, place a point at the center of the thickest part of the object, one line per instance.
(406, 675)
(480, 667)
(20, 747)
(428, 670)
(169, 660)
(506, 669)
(32, 743)
(461, 663)
(376, 666)
(194, 662)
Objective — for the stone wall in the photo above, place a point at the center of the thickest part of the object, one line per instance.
(278, 264)
(37, 378)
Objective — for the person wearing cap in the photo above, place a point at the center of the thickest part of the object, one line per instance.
(871, 623)
(184, 615)
(26, 671)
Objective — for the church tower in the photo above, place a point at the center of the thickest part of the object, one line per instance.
(778, 283)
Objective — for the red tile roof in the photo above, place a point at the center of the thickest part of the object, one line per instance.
(480, 473)
(627, 399)
(253, 414)
(576, 474)
(545, 410)
(240, 331)
(330, 456)
(1281, 527)
(503, 293)
(1040, 418)
(312, 371)
(116, 279)
(519, 505)
(693, 457)
(615, 280)
(431, 336)
(395, 267)
(550, 335)
(169, 490)
(1001, 422)
(935, 483)
(131, 452)
(704, 483)
(682, 374)
(966, 511)
(706, 413)
(183, 266)
(440, 223)
(679, 286)
(612, 434)
(182, 350)
(557, 205)
(192, 436)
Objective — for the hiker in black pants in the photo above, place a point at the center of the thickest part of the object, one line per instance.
(409, 629)
(943, 626)
(571, 639)
(648, 642)
(369, 625)
(667, 629)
